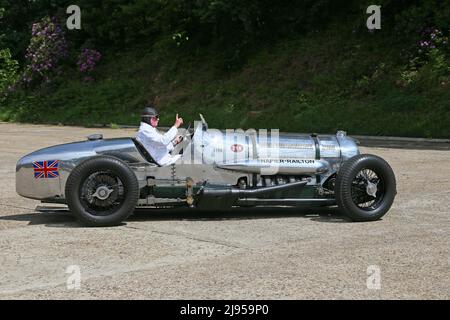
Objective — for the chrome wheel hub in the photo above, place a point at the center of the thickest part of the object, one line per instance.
(371, 189)
(102, 193)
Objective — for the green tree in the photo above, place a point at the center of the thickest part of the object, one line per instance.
(8, 70)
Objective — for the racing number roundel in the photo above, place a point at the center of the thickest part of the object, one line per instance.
(237, 147)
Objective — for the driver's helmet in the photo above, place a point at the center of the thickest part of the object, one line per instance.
(149, 112)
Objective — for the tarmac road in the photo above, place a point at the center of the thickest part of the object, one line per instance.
(245, 254)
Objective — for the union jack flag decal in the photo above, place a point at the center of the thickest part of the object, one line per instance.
(46, 169)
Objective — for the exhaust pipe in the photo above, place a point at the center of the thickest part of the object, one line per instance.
(212, 198)
(244, 193)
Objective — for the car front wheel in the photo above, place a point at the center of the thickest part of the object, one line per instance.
(365, 187)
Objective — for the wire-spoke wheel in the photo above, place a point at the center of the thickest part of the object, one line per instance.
(365, 187)
(367, 190)
(102, 191)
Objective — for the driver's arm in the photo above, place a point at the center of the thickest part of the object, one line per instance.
(167, 138)
(164, 139)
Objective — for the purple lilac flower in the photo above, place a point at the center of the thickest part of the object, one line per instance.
(47, 47)
(88, 59)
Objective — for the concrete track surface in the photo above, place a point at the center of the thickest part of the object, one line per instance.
(244, 254)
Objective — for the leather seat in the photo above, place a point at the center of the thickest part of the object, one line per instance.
(144, 152)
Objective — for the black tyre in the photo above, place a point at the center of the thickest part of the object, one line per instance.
(102, 191)
(365, 187)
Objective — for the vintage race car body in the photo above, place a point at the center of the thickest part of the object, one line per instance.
(217, 170)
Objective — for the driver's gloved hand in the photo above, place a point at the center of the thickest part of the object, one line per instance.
(177, 140)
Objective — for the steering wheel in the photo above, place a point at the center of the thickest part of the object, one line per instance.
(186, 133)
(178, 148)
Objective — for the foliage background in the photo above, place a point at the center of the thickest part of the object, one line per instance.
(306, 65)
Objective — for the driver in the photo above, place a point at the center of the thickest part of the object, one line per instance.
(157, 144)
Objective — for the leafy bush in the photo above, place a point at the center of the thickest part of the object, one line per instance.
(87, 61)
(432, 56)
(8, 71)
(47, 48)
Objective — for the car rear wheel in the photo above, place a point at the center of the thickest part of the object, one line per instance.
(365, 187)
(102, 191)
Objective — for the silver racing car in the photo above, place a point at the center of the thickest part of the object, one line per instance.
(103, 180)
